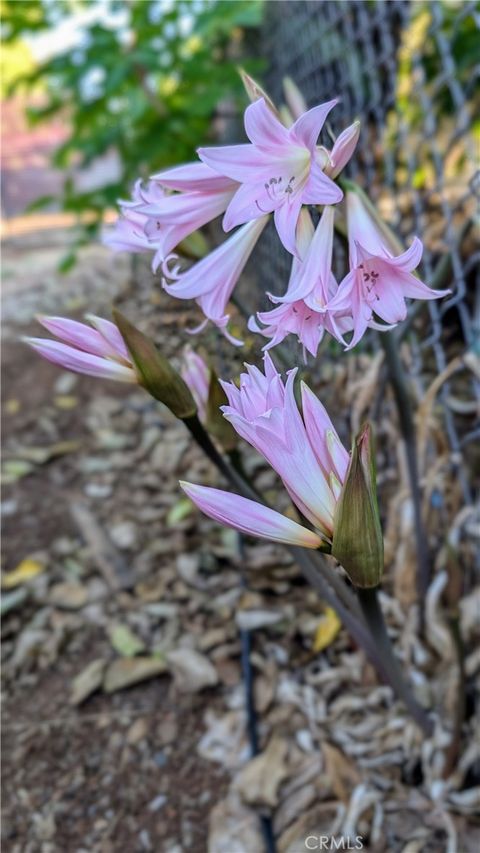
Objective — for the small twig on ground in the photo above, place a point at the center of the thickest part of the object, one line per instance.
(110, 562)
(453, 750)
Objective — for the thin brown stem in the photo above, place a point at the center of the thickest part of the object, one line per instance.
(399, 383)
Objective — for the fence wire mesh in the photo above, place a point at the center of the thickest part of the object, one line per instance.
(408, 70)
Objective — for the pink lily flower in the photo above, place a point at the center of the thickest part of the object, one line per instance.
(378, 281)
(212, 280)
(278, 172)
(157, 220)
(297, 318)
(203, 196)
(305, 452)
(196, 374)
(311, 276)
(128, 234)
(304, 309)
(99, 351)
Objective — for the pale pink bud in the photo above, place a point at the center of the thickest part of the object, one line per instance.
(196, 374)
(96, 350)
(343, 149)
(296, 103)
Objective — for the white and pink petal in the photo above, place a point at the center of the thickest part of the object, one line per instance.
(194, 177)
(81, 362)
(306, 129)
(76, 334)
(263, 128)
(249, 517)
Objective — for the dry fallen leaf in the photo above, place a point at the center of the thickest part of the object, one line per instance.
(127, 671)
(12, 406)
(42, 454)
(87, 681)
(340, 771)
(252, 620)
(15, 469)
(233, 827)
(191, 670)
(70, 595)
(320, 817)
(425, 409)
(25, 571)
(259, 781)
(66, 401)
(124, 641)
(224, 740)
(12, 600)
(327, 629)
(180, 510)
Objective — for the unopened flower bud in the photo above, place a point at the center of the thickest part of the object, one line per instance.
(255, 91)
(295, 101)
(196, 373)
(364, 219)
(155, 373)
(357, 536)
(342, 150)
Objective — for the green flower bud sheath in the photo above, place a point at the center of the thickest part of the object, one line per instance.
(155, 372)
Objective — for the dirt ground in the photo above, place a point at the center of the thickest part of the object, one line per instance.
(129, 584)
(84, 778)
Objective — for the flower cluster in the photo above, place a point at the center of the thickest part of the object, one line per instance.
(279, 173)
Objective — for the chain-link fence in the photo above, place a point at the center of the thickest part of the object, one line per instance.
(408, 71)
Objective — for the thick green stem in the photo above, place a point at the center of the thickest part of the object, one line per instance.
(336, 581)
(204, 441)
(354, 626)
(372, 611)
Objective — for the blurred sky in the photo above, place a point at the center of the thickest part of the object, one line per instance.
(68, 33)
